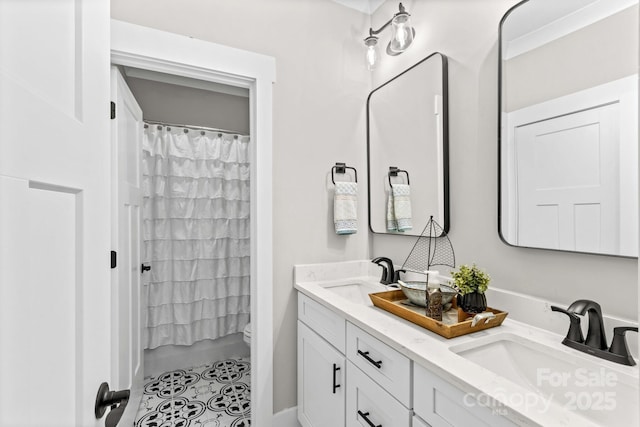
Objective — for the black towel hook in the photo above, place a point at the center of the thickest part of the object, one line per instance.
(341, 168)
(394, 171)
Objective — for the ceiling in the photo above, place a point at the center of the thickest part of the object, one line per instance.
(366, 6)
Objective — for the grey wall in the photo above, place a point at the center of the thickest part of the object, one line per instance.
(467, 32)
(599, 53)
(170, 103)
(319, 119)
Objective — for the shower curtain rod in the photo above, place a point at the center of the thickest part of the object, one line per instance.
(177, 125)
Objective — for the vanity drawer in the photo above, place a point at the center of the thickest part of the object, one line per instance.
(442, 405)
(386, 366)
(366, 400)
(323, 321)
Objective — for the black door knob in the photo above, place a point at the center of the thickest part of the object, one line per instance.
(144, 268)
(106, 398)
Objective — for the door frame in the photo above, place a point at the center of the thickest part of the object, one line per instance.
(151, 49)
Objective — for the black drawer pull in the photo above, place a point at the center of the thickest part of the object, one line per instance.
(336, 368)
(365, 415)
(365, 354)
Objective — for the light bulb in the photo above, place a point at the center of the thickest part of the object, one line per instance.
(402, 33)
(371, 55)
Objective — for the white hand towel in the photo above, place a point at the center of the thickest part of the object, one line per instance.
(392, 224)
(345, 207)
(399, 208)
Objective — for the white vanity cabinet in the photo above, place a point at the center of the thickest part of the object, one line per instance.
(378, 382)
(441, 404)
(374, 385)
(349, 378)
(321, 365)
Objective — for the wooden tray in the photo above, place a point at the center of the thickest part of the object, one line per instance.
(453, 322)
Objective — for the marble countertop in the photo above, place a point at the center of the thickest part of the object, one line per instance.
(433, 351)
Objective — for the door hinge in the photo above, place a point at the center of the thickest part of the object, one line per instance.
(113, 110)
(114, 258)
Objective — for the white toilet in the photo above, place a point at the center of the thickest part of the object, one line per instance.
(247, 334)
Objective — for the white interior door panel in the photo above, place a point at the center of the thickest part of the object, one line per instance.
(54, 211)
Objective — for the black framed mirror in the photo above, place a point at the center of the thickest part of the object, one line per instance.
(568, 126)
(408, 151)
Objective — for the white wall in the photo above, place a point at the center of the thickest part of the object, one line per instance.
(319, 119)
(467, 32)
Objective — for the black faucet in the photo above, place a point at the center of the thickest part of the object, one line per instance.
(596, 341)
(619, 344)
(575, 331)
(595, 334)
(388, 274)
(396, 274)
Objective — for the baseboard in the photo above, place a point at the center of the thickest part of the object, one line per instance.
(286, 418)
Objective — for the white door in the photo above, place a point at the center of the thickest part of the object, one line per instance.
(321, 384)
(126, 144)
(568, 187)
(54, 211)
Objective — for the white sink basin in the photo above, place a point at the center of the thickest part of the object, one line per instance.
(356, 292)
(600, 391)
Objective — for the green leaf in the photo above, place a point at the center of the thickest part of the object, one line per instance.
(470, 279)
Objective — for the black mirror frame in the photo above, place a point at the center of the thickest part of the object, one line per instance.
(445, 144)
(500, 143)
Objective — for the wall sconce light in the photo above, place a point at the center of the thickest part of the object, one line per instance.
(401, 39)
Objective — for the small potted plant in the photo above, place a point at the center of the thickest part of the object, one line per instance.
(471, 283)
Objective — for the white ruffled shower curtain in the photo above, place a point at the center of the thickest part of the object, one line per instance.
(196, 234)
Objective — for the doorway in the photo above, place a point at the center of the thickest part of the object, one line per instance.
(157, 51)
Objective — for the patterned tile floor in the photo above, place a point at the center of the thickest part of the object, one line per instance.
(213, 395)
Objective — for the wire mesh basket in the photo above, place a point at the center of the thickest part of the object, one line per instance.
(433, 247)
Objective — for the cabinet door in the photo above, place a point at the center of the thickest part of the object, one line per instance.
(369, 405)
(320, 381)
